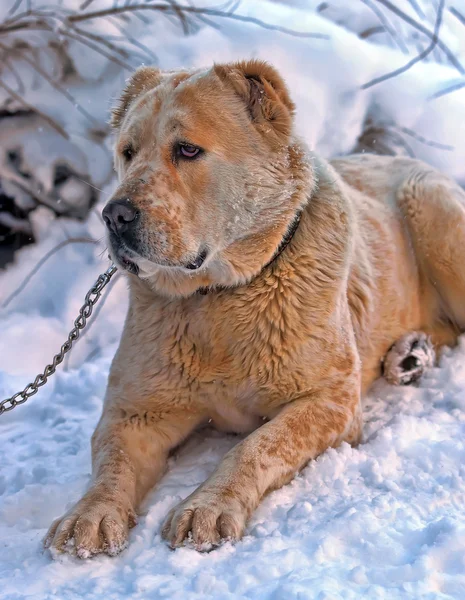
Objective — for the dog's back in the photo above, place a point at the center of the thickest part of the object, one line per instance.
(407, 272)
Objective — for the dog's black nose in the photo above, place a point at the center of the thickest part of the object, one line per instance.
(119, 215)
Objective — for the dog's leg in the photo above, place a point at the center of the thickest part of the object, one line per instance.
(264, 461)
(129, 451)
(409, 358)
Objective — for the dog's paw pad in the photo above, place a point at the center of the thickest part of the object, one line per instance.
(408, 359)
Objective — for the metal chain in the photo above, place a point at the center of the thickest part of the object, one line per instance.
(85, 311)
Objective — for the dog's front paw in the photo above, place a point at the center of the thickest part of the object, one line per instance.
(409, 358)
(207, 516)
(97, 523)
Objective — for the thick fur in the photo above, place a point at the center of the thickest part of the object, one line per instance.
(283, 350)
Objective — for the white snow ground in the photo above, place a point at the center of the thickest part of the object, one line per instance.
(383, 521)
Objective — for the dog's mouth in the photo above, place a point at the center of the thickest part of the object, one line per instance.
(129, 260)
(124, 258)
(129, 265)
(198, 261)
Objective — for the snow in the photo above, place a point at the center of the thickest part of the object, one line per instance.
(381, 521)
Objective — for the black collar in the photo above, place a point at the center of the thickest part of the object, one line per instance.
(287, 238)
(282, 246)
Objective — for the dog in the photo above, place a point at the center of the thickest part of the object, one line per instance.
(268, 288)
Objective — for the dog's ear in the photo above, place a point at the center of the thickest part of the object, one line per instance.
(143, 80)
(264, 92)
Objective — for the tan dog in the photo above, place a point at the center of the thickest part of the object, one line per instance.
(264, 283)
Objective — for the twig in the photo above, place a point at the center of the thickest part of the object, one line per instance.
(15, 7)
(448, 90)
(417, 58)
(387, 26)
(66, 30)
(34, 109)
(19, 81)
(15, 18)
(422, 140)
(91, 185)
(140, 18)
(54, 84)
(135, 42)
(403, 143)
(86, 42)
(27, 187)
(11, 24)
(41, 262)
(14, 223)
(181, 16)
(408, 19)
(416, 7)
(208, 22)
(100, 39)
(73, 33)
(191, 10)
(458, 15)
(26, 24)
(85, 4)
(372, 31)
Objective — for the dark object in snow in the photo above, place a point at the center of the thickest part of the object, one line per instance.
(22, 190)
(15, 229)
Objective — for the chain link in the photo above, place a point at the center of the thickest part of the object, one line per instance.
(85, 312)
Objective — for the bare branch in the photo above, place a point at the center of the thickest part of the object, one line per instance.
(181, 16)
(91, 185)
(367, 33)
(85, 4)
(408, 19)
(35, 65)
(448, 90)
(41, 262)
(387, 26)
(458, 15)
(228, 6)
(141, 18)
(190, 10)
(135, 42)
(417, 58)
(15, 7)
(74, 33)
(12, 69)
(422, 140)
(34, 109)
(56, 13)
(83, 40)
(26, 186)
(36, 23)
(14, 223)
(416, 7)
(208, 22)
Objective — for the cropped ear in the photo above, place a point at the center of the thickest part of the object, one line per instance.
(264, 92)
(143, 80)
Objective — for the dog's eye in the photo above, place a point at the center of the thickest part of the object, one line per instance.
(128, 153)
(188, 150)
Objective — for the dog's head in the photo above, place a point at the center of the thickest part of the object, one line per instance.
(210, 176)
